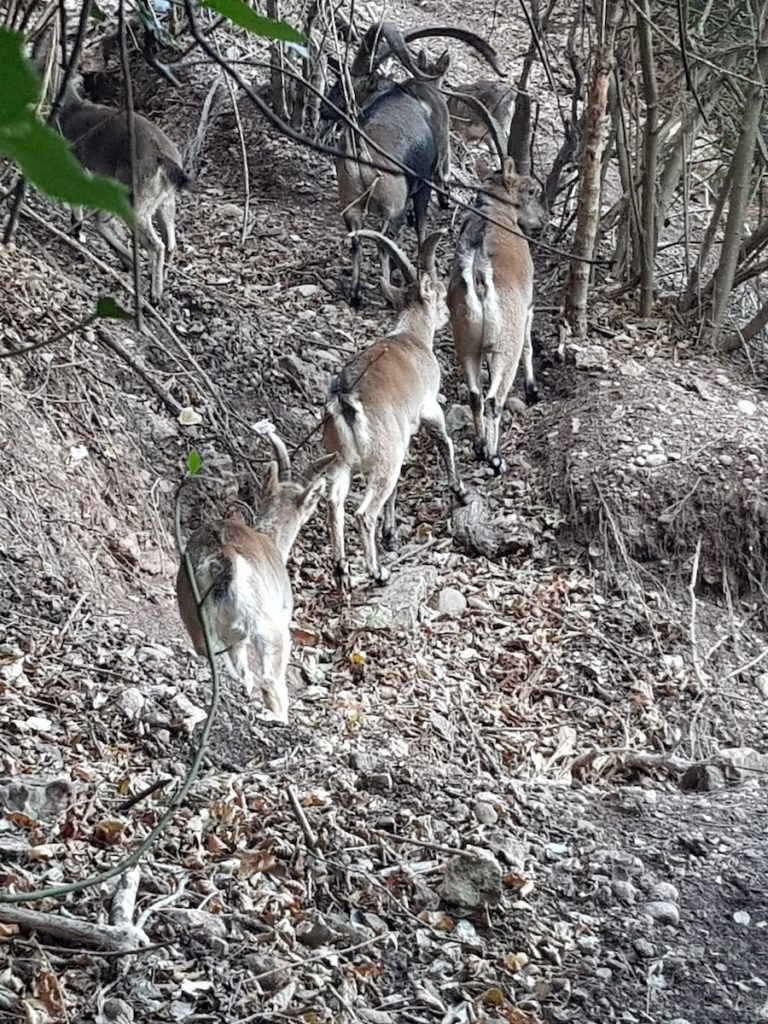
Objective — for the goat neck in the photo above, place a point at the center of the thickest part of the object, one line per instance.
(422, 317)
(276, 521)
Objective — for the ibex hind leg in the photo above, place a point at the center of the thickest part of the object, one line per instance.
(275, 652)
(339, 489)
(434, 421)
(420, 207)
(152, 241)
(502, 378)
(531, 387)
(389, 530)
(367, 515)
(472, 374)
(106, 230)
(240, 662)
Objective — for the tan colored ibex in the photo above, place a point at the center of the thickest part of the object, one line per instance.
(490, 297)
(98, 136)
(242, 579)
(378, 402)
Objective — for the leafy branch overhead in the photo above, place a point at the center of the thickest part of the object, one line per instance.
(40, 153)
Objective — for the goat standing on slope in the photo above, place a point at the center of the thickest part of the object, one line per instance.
(490, 297)
(98, 136)
(377, 403)
(243, 582)
(409, 121)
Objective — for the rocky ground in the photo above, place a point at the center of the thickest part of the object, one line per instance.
(523, 785)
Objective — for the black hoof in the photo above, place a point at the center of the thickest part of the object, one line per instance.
(461, 496)
(497, 464)
(531, 394)
(389, 541)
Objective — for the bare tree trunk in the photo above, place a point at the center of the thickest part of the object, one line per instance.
(742, 163)
(593, 140)
(277, 59)
(648, 237)
(674, 166)
(688, 297)
(758, 322)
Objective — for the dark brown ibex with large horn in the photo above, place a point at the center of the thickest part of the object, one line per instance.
(409, 122)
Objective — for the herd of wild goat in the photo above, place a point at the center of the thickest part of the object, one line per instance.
(396, 145)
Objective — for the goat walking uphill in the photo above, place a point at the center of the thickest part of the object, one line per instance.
(490, 297)
(98, 136)
(377, 403)
(409, 122)
(243, 581)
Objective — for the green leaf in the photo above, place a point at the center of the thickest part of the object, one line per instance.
(194, 462)
(108, 309)
(241, 14)
(379, 617)
(18, 83)
(45, 159)
(97, 14)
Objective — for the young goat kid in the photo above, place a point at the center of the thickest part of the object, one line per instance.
(377, 403)
(490, 298)
(98, 136)
(243, 582)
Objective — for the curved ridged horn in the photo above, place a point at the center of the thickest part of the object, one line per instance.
(265, 428)
(405, 264)
(485, 116)
(484, 48)
(428, 252)
(370, 55)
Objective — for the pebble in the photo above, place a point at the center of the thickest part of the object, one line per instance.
(625, 892)
(745, 406)
(451, 602)
(472, 882)
(486, 813)
(665, 891)
(662, 912)
(307, 290)
(644, 948)
(656, 459)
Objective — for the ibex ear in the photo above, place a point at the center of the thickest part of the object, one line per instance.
(426, 287)
(510, 171)
(272, 480)
(442, 63)
(321, 466)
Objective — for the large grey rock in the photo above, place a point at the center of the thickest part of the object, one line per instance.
(38, 797)
(472, 881)
(402, 597)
